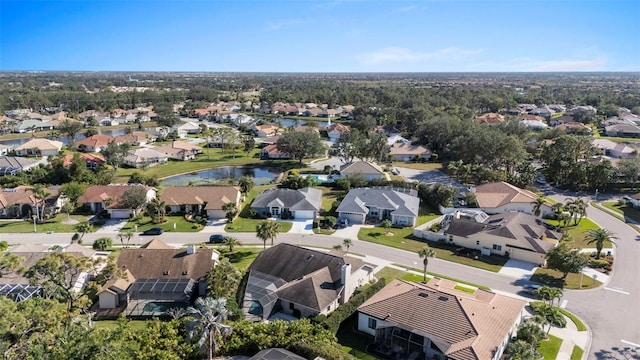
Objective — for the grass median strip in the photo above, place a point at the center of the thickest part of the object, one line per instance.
(579, 324)
(550, 348)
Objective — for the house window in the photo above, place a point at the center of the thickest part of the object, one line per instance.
(373, 323)
(497, 247)
(275, 211)
(329, 308)
(477, 242)
(291, 306)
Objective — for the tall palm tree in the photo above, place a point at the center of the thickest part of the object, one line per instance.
(425, 253)
(246, 183)
(275, 230)
(347, 243)
(548, 293)
(571, 207)
(157, 210)
(206, 325)
(83, 228)
(267, 230)
(232, 242)
(40, 194)
(231, 210)
(599, 237)
(581, 209)
(125, 234)
(538, 204)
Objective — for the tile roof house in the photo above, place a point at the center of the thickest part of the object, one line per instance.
(109, 198)
(491, 119)
(300, 282)
(160, 273)
(39, 147)
(272, 152)
(19, 202)
(435, 321)
(92, 161)
(334, 131)
(574, 128)
(561, 120)
(200, 200)
(401, 206)
(136, 138)
(365, 169)
(400, 151)
(501, 197)
(301, 204)
(94, 143)
(520, 236)
(187, 128)
(144, 157)
(180, 150)
(266, 130)
(614, 149)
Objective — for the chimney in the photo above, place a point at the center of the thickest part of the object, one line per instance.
(345, 273)
(191, 249)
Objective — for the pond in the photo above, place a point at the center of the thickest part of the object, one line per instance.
(222, 175)
(64, 139)
(293, 122)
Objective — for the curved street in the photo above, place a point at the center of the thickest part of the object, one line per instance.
(611, 311)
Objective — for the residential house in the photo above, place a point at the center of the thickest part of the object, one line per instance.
(187, 128)
(31, 125)
(623, 130)
(561, 120)
(145, 157)
(401, 206)
(582, 108)
(20, 202)
(334, 131)
(517, 235)
(614, 149)
(159, 274)
(299, 282)
(266, 130)
(298, 204)
(543, 111)
(39, 147)
(113, 294)
(491, 119)
(401, 151)
(634, 200)
(200, 200)
(272, 152)
(109, 198)
(409, 320)
(94, 143)
(277, 354)
(501, 197)
(136, 138)
(91, 161)
(367, 170)
(574, 128)
(396, 138)
(180, 150)
(306, 128)
(7, 124)
(534, 122)
(11, 165)
(17, 287)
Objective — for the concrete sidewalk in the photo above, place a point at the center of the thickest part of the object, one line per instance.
(571, 337)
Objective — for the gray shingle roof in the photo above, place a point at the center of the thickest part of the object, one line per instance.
(302, 199)
(360, 167)
(402, 204)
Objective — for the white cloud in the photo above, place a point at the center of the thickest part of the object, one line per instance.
(272, 26)
(404, 55)
(405, 9)
(571, 65)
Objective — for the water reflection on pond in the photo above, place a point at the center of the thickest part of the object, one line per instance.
(222, 175)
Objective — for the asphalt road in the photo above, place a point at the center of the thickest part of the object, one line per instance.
(612, 311)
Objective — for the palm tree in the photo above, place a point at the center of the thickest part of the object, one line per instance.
(557, 208)
(275, 229)
(125, 234)
(530, 332)
(206, 325)
(425, 253)
(83, 228)
(40, 194)
(599, 237)
(571, 207)
(538, 204)
(581, 208)
(337, 247)
(231, 210)
(232, 242)
(549, 294)
(521, 350)
(246, 184)
(347, 243)
(267, 230)
(157, 210)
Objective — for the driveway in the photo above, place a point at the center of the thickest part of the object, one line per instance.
(300, 226)
(429, 177)
(350, 232)
(112, 226)
(215, 226)
(334, 162)
(518, 269)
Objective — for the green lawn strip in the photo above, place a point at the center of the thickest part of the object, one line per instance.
(579, 324)
(550, 348)
(389, 274)
(430, 166)
(249, 225)
(550, 200)
(578, 232)
(623, 209)
(464, 288)
(323, 231)
(554, 278)
(241, 257)
(418, 278)
(55, 225)
(145, 223)
(577, 352)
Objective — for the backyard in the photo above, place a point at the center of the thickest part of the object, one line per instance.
(244, 223)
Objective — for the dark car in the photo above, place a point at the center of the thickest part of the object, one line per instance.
(217, 238)
(529, 289)
(152, 231)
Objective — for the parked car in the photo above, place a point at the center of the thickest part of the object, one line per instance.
(153, 231)
(217, 238)
(395, 171)
(529, 289)
(343, 223)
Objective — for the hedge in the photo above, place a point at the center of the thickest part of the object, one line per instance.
(333, 321)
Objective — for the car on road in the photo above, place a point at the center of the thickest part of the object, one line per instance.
(217, 238)
(529, 289)
(153, 231)
(395, 171)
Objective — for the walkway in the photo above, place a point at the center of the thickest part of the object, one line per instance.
(570, 337)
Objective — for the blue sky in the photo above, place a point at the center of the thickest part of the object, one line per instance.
(320, 36)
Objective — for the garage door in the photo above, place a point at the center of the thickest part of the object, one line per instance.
(304, 214)
(353, 218)
(119, 214)
(216, 214)
(529, 256)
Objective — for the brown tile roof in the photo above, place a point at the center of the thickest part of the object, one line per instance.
(100, 193)
(338, 127)
(464, 326)
(42, 144)
(361, 167)
(23, 195)
(87, 157)
(213, 196)
(154, 263)
(489, 119)
(401, 148)
(497, 194)
(157, 244)
(531, 117)
(120, 284)
(97, 140)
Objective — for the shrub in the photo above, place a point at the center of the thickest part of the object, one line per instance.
(330, 221)
(333, 321)
(598, 264)
(102, 244)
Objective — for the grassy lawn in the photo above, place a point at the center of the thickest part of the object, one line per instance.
(55, 225)
(578, 233)
(354, 342)
(549, 348)
(329, 196)
(579, 324)
(389, 274)
(146, 223)
(623, 209)
(241, 257)
(249, 225)
(419, 166)
(323, 231)
(403, 239)
(577, 352)
(554, 278)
